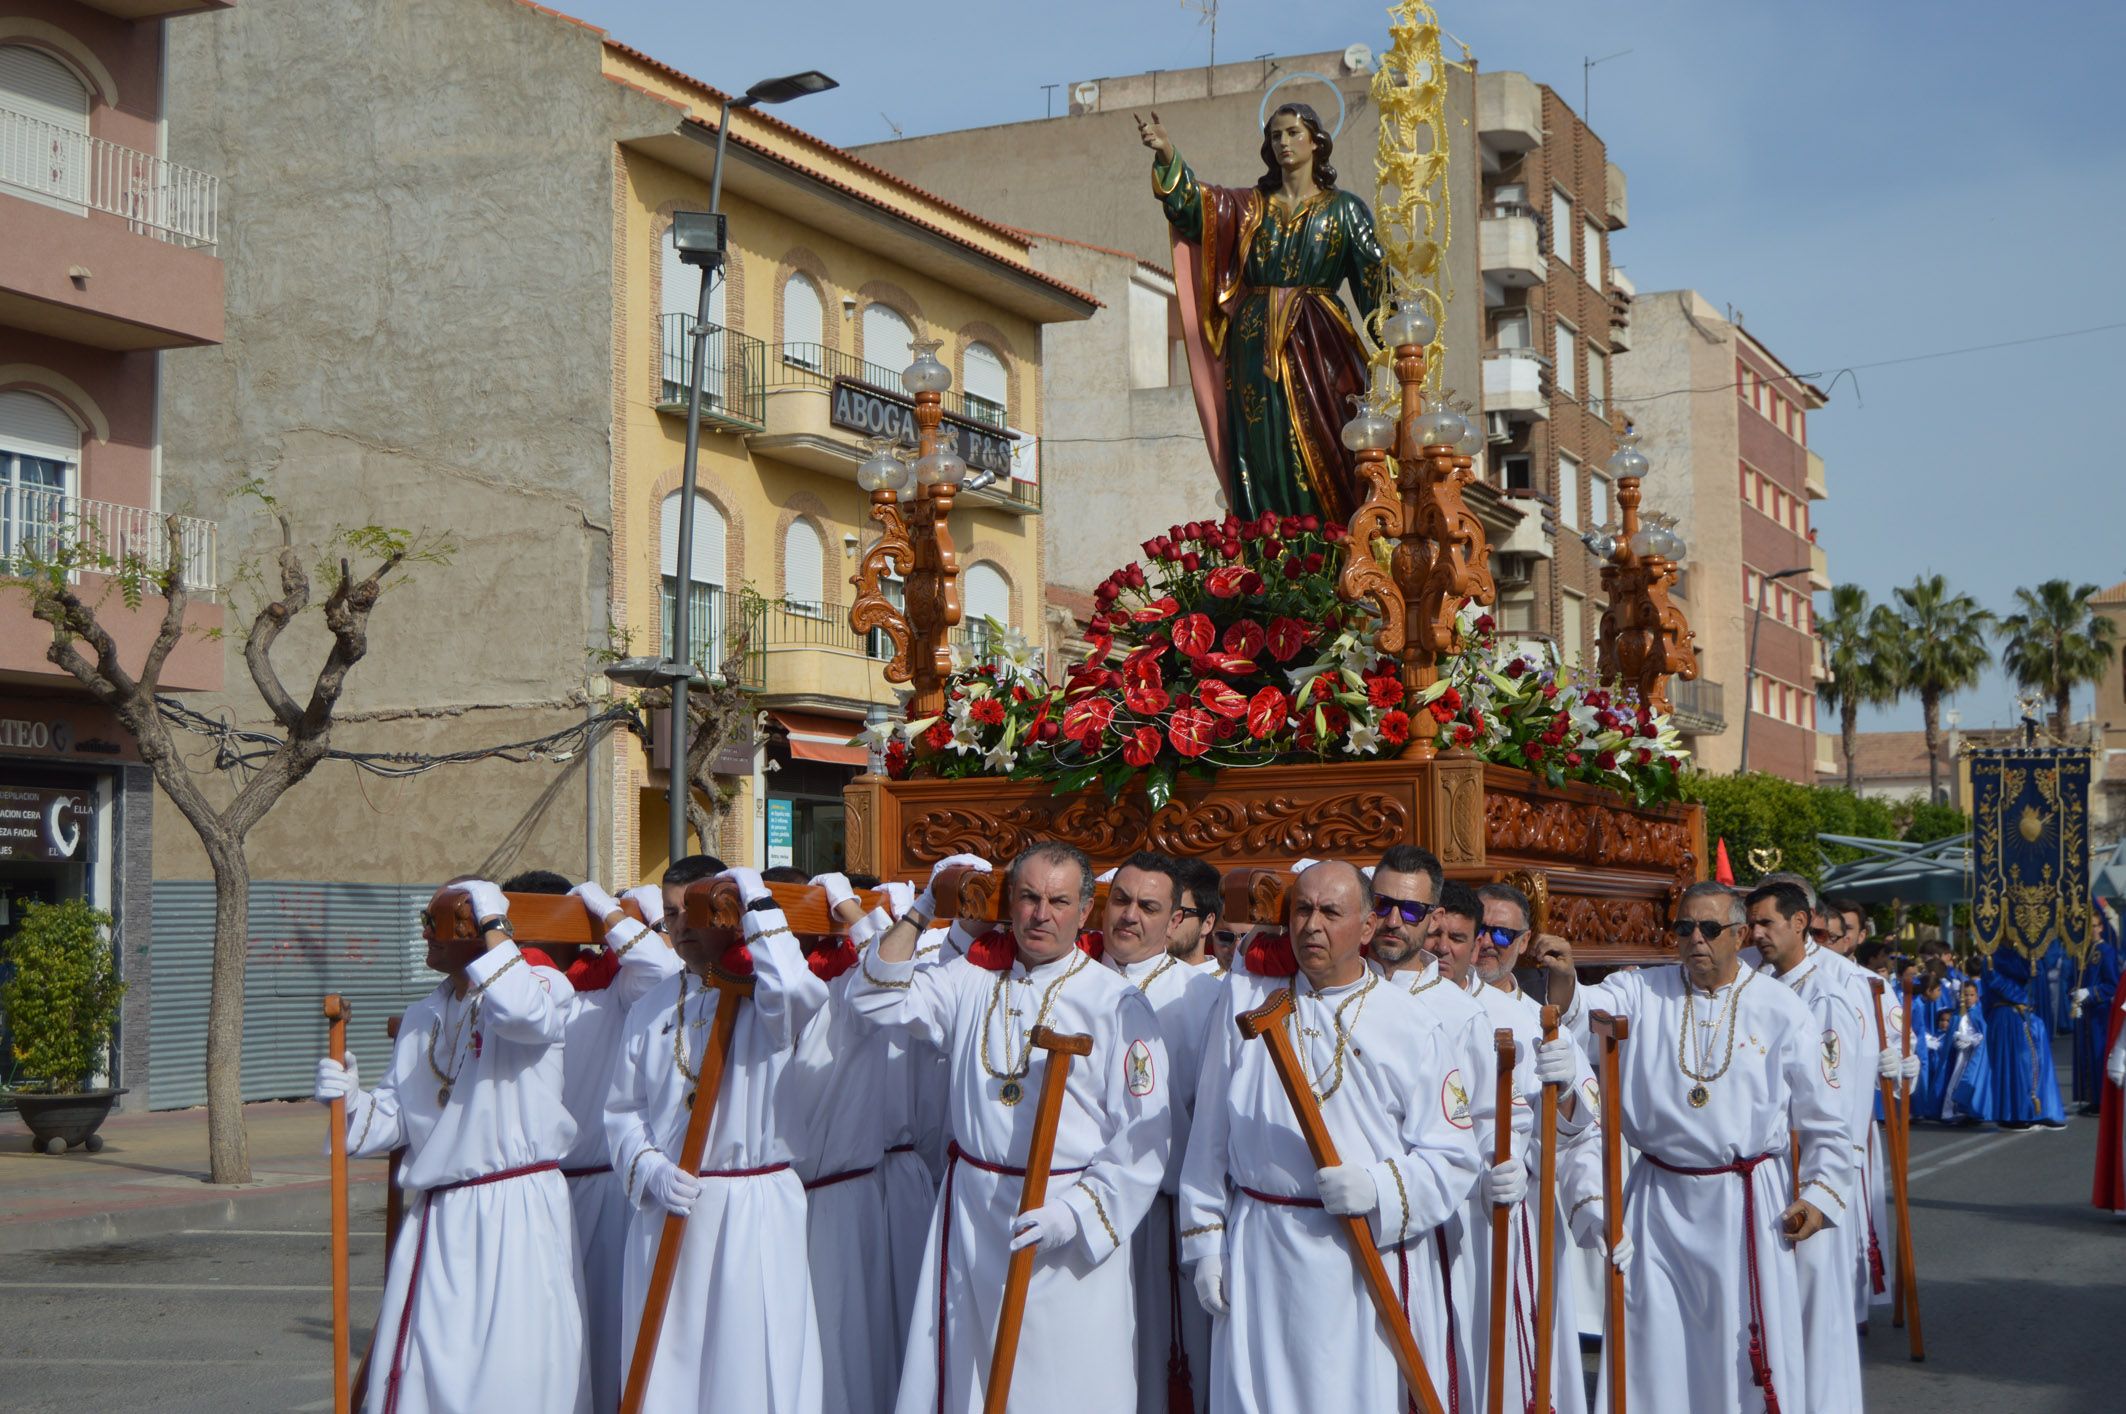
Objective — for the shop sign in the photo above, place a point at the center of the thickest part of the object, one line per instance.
(36, 727)
(46, 826)
(859, 407)
(782, 832)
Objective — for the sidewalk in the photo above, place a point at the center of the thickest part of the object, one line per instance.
(152, 1178)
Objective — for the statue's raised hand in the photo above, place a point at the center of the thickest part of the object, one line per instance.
(1153, 136)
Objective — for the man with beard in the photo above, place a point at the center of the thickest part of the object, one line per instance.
(1200, 916)
(1721, 1068)
(1259, 1217)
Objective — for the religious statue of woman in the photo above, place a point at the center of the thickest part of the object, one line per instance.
(1273, 357)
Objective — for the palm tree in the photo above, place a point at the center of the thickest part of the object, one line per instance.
(2056, 642)
(1943, 651)
(1861, 649)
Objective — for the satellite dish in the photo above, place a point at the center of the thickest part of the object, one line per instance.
(1358, 59)
(1086, 95)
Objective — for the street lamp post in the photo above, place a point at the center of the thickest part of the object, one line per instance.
(1749, 680)
(698, 236)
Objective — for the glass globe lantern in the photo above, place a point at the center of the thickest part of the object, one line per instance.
(1473, 440)
(1628, 462)
(1642, 541)
(926, 374)
(1602, 544)
(1411, 324)
(882, 470)
(1369, 429)
(943, 467)
(1441, 426)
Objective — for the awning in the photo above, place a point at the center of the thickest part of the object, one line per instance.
(819, 738)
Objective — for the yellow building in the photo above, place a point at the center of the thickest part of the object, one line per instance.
(833, 268)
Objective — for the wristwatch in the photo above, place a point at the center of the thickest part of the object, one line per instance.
(497, 924)
(763, 905)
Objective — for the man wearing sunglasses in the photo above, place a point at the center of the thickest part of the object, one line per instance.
(1722, 1066)
(1199, 915)
(1146, 901)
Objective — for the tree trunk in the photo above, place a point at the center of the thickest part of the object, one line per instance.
(1849, 735)
(2062, 704)
(228, 1151)
(1930, 704)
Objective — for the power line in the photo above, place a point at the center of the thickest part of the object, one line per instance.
(236, 747)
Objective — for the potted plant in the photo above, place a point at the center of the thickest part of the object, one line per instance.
(61, 1005)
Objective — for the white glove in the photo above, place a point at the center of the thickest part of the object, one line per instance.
(900, 897)
(1302, 865)
(1888, 1064)
(668, 1186)
(1108, 877)
(1965, 1040)
(2081, 994)
(1588, 1226)
(599, 904)
(749, 884)
(1556, 1062)
(926, 903)
(1505, 1184)
(488, 901)
(1910, 1068)
(1210, 1284)
(1347, 1190)
(1045, 1228)
(336, 1081)
(650, 899)
(2114, 1068)
(837, 887)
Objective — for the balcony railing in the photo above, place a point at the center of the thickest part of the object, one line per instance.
(733, 389)
(1698, 705)
(817, 366)
(40, 526)
(79, 173)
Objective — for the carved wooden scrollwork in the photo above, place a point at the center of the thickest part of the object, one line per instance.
(1460, 566)
(872, 609)
(1535, 884)
(1281, 825)
(1598, 923)
(1378, 517)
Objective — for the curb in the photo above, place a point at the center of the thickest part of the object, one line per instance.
(286, 1204)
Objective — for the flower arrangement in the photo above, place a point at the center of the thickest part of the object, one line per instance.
(1233, 648)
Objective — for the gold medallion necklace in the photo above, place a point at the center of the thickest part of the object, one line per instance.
(1335, 1067)
(1011, 1088)
(469, 1019)
(1725, 1018)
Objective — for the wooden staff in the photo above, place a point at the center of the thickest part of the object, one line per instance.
(1033, 1192)
(1907, 1261)
(394, 1211)
(730, 992)
(1546, 1226)
(1614, 1031)
(1501, 1219)
(342, 1316)
(1267, 1022)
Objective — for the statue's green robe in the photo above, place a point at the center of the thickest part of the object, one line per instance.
(1273, 355)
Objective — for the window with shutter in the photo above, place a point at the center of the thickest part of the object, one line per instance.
(1561, 225)
(804, 569)
(982, 378)
(1567, 372)
(44, 134)
(681, 295)
(803, 324)
(40, 450)
(705, 598)
(1568, 493)
(886, 339)
(985, 594)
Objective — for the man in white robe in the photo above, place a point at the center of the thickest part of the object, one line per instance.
(1296, 1329)
(1722, 1066)
(1173, 1330)
(1780, 921)
(739, 1330)
(473, 1094)
(981, 1009)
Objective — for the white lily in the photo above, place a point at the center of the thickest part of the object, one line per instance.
(1000, 757)
(1364, 738)
(966, 736)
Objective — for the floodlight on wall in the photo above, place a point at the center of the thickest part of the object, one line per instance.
(698, 236)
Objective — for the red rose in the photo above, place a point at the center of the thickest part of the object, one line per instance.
(1387, 692)
(1335, 532)
(1272, 547)
(1607, 761)
(1314, 562)
(1141, 747)
(1533, 751)
(1226, 581)
(1221, 698)
(1266, 712)
(1050, 731)
(1290, 526)
(1287, 637)
(1250, 531)
(1395, 726)
(1572, 758)
(1151, 548)
(1134, 576)
(989, 712)
(1514, 669)
(1252, 584)
(1485, 623)
(1295, 568)
(1146, 699)
(1194, 635)
(1190, 731)
(1550, 690)
(1463, 736)
(1087, 720)
(1192, 562)
(1645, 757)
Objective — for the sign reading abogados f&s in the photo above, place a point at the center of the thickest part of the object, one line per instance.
(46, 826)
(858, 407)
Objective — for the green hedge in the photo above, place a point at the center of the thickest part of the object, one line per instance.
(1758, 811)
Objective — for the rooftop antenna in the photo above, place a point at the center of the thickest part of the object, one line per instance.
(1587, 67)
(897, 133)
(1208, 9)
(1050, 90)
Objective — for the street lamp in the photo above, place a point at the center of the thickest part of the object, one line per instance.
(698, 238)
(1749, 680)
(1644, 639)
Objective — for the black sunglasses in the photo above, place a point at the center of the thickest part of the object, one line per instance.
(1500, 937)
(1181, 913)
(1682, 928)
(1412, 910)
(1230, 939)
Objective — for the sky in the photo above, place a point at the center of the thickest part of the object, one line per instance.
(1865, 181)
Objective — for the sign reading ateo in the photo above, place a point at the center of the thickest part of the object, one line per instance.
(47, 826)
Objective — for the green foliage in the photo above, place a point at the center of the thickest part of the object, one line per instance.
(2056, 641)
(62, 1002)
(1761, 812)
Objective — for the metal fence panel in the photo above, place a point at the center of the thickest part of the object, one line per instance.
(307, 939)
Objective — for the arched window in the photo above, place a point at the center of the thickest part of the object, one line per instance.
(803, 324)
(681, 291)
(46, 157)
(40, 449)
(705, 592)
(887, 336)
(983, 380)
(804, 569)
(985, 594)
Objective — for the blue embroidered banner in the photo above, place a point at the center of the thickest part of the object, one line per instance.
(2030, 850)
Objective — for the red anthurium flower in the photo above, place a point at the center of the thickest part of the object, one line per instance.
(1164, 607)
(1221, 699)
(1245, 639)
(1287, 637)
(1190, 731)
(1266, 713)
(1194, 634)
(1230, 664)
(1142, 746)
(1084, 721)
(1146, 699)
(1098, 647)
(1225, 581)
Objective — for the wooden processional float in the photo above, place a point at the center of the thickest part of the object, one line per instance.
(1614, 869)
